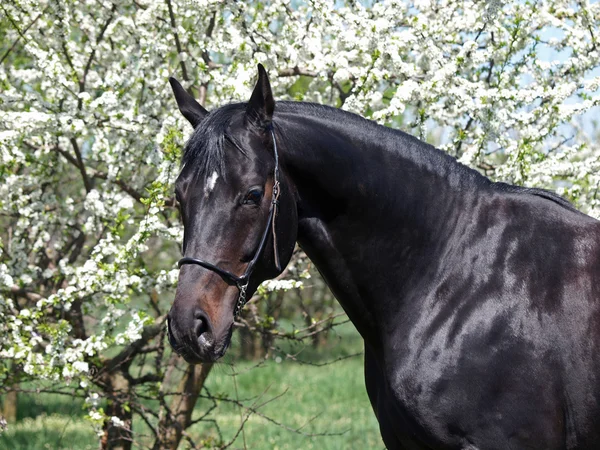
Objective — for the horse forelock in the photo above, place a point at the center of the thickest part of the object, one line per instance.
(204, 151)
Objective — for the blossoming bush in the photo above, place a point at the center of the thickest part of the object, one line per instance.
(90, 141)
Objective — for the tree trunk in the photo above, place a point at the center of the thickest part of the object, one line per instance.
(172, 424)
(119, 395)
(9, 407)
(248, 343)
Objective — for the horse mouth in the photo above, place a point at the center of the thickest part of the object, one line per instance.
(194, 354)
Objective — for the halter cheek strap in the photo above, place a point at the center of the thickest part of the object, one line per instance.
(241, 282)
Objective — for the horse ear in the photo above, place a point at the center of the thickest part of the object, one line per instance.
(190, 108)
(261, 105)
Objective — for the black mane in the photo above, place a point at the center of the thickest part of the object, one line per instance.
(543, 193)
(204, 149)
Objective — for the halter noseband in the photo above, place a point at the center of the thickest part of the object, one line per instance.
(241, 282)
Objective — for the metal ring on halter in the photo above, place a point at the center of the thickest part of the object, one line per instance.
(241, 282)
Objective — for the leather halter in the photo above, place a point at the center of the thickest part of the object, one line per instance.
(241, 282)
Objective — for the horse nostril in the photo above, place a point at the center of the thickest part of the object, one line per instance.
(201, 327)
(170, 334)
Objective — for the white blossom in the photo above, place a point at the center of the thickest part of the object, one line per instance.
(117, 422)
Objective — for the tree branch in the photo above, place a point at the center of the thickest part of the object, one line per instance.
(93, 53)
(81, 165)
(137, 196)
(31, 296)
(21, 33)
(293, 71)
(147, 378)
(184, 71)
(126, 356)
(205, 56)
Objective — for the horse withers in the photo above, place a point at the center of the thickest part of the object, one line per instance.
(478, 302)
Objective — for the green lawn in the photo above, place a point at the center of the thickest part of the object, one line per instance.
(323, 399)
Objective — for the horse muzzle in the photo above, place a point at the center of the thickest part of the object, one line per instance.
(192, 336)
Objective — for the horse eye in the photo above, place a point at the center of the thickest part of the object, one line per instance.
(253, 197)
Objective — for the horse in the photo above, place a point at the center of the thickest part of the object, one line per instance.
(478, 302)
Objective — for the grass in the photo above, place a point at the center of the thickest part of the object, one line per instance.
(52, 432)
(328, 399)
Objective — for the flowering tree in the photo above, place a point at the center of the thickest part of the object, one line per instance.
(90, 142)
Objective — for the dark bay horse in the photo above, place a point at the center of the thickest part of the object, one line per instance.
(478, 302)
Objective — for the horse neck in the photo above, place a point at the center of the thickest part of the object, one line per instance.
(375, 206)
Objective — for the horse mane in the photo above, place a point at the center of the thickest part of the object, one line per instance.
(391, 140)
(205, 153)
(543, 193)
(433, 155)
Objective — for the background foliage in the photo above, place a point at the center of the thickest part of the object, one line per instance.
(90, 141)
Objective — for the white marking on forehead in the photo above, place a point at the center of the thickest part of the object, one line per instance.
(210, 183)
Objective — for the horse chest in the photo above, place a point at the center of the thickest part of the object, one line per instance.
(405, 421)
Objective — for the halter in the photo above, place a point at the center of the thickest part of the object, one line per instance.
(241, 282)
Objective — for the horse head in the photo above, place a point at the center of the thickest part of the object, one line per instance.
(239, 215)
